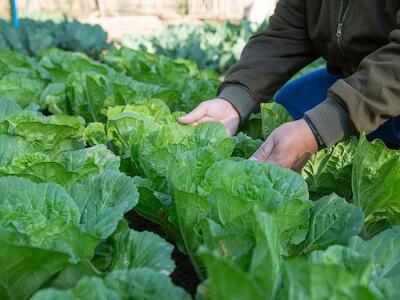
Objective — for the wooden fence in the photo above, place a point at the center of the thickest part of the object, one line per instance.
(202, 9)
(137, 7)
(220, 9)
(4, 9)
(74, 8)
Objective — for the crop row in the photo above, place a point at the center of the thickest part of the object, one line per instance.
(86, 141)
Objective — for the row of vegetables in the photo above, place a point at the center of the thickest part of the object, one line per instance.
(86, 141)
(215, 46)
(33, 36)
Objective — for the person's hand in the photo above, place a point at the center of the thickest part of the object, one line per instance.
(218, 110)
(289, 146)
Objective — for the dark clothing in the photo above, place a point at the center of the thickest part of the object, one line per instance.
(359, 39)
(307, 91)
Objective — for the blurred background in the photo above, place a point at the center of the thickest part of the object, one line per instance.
(211, 33)
(124, 17)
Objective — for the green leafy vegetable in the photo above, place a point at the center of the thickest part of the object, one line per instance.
(375, 184)
(137, 284)
(22, 89)
(333, 221)
(329, 170)
(103, 200)
(134, 250)
(39, 235)
(215, 46)
(34, 36)
(273, 115)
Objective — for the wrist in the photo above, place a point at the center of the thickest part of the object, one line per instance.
(240, 98)
(310, 140)
(231, 109)
(331, 120)
(317, 136)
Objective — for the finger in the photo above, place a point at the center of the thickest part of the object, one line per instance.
(276, 159)
(264, 151)
(205, 119)
(202, 120)
(194, 116)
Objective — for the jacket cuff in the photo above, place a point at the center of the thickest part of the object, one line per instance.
(240, 99)
(331, 121)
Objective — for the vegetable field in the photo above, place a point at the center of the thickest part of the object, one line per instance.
(216, 46)
(88, 143)
(34, 36)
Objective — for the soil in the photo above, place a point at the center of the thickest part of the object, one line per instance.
(184, 275)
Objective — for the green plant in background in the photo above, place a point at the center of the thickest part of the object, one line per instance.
(34, 36)
(214, 46)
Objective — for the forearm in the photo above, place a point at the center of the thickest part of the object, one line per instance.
(270, 59)
(363, 101)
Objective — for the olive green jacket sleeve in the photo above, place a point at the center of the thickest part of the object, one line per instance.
(270, 59)
(370, 96)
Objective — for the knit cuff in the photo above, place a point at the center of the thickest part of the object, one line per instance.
(240, 99)
(331, 121)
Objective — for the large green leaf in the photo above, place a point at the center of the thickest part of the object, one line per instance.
(128, 125)
(333, 221)
(266, 262)
(183, 85)
(292, 218)
(54, 97)
(88, 288)
(215, 198)
(316, 281)
(192, 209)
(158, 208)
(250, 248)
(245, 146)
(39, 235)
(273, 115)
(144, 284)
(8, 107)
(375, 183)
(234, 187)
(75, 166)
(357, 263)
(103, 200)
(228, 282)
(384, 251)
(86, 93)
(38, 168)
(22, 89)
(386, 288)
(17, 63)
(140, 284)
(12, 147)
(166, 145)
(329, 170)
(95, 134)
(26, 269)
(58, 65)
(134, 250)
(48, 135)
(91, 160)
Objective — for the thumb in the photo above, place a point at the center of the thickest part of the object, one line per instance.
(194, 116)
(264, 151)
